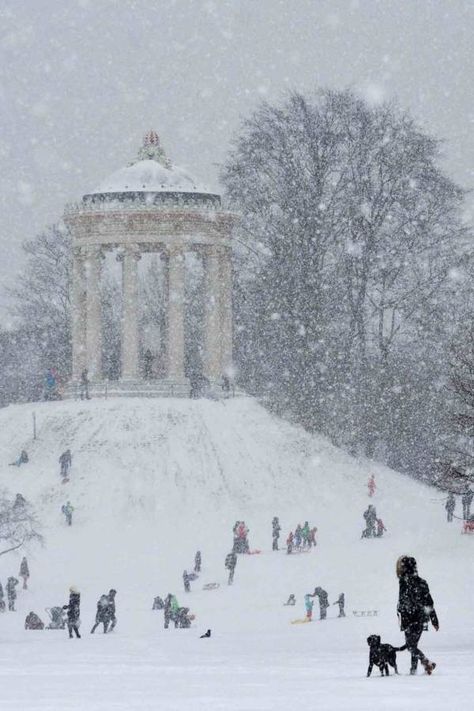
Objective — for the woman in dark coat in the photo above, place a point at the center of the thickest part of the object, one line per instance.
(73, 612)
(415, 607)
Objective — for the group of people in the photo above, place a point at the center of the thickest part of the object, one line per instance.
(173, 612)
(466, 501)
(303, 538)
(374, 526)
(12, 582)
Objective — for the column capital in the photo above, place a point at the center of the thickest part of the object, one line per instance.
(128, 250)
(93, 251)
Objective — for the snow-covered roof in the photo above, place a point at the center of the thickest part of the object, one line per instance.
(150, 176)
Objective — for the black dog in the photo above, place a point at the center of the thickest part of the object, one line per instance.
(381, 655)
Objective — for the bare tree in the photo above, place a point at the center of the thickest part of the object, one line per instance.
(18, 524)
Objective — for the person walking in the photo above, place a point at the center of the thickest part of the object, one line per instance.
(102, 614)
(230, 563)
(73, 612)
(450, 506)
(65, 461)
(24, 572)
(276, 528)
(186, 581)
(466, 500)
(11, 592)
(415, 607)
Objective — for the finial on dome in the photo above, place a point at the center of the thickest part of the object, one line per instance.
(152, 150)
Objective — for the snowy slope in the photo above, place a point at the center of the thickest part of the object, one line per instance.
(152, 481)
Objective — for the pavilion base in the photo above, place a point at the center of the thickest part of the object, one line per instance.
(165, 387)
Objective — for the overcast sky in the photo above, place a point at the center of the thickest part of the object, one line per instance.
(82, 80)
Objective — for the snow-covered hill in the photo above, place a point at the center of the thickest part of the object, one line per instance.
(151, 482)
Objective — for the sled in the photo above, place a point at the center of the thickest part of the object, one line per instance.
(211, 586)
(468, 525)
(365, 613)
(300, 621)
(256, 551)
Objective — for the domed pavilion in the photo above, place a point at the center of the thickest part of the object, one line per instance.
(150, 206)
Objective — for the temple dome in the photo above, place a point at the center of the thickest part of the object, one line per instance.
(150, 176)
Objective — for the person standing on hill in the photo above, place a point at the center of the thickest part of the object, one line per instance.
(67, 510)
(341, 601)
(24, 572)
(450, 506)
(230, 563)
(197, 562)
(170, 610)
(380, 527)
(415, 606)
(2, 601)
(305, 534)
(84, 385)
(466, 500)
(289, 543)
(298, 536)
(186, 581)
(371, 485)
(323, 601)
(65, 461)
(370, 516)
(308, 603)
(276, 528)
(11, 592)
(73, 612)
(312, 536)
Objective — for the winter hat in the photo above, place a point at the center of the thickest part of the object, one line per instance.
(406, 565)
(73, 589)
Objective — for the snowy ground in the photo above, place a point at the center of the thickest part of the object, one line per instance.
(153, 481)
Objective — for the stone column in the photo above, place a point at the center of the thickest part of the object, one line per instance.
(164, 324)
(225, 259)
(94, 258)
(130, 257)
(175, 350)
(212, 335)
(78, 314)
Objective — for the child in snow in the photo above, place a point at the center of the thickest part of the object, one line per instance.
(291, 601)
(341, 602)
(289, 543)
(380, 528)
(11, 593)
(312, 536)
(308, 603)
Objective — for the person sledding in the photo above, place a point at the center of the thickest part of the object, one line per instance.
(22, 459)
(33, 622)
